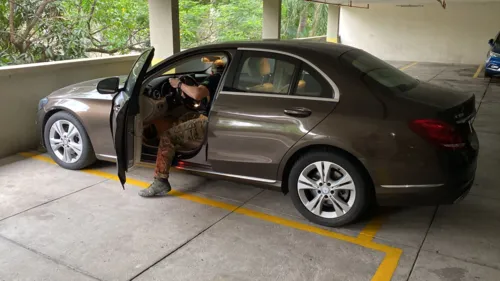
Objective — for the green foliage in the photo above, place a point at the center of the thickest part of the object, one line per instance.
(47, 30)
(27, 34)
(292, 11)
(205, 22)
(118, 25)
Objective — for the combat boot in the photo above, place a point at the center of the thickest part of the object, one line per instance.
(157, 188)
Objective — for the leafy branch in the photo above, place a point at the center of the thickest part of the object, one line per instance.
(46, 30)
(113, 51)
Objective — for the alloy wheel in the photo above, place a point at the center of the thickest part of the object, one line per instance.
(326, 189)
(65, 141)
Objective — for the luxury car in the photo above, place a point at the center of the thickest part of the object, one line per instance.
(492, 66)
(335, 127)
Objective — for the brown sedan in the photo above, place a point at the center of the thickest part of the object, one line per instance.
(333, 125)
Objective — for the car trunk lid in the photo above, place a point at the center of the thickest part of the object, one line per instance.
(453, 108)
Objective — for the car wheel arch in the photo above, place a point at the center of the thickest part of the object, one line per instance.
(54, 110)
(321, 147)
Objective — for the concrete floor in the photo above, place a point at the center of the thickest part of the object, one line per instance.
(57, 224)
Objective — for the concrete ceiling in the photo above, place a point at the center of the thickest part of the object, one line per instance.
(400, 2)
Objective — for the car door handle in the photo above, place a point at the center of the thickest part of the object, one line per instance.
(298, 112)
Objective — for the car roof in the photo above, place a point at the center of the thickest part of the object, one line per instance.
(292, 46)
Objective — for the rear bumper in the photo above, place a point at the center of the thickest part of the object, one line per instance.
(426, 196)
(457, 187)
(458, 170)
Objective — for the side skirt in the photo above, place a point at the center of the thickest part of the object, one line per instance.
(206, 171)
(199, 166)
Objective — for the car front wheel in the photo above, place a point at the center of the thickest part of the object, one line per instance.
(328, 189)
(67, 142)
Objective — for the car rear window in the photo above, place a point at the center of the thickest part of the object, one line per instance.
(371, 68)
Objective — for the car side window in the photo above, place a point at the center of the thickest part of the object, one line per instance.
(264, 74)
(311, 84)
(200, 64)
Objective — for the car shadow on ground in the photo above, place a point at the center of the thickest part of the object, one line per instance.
(373, 212)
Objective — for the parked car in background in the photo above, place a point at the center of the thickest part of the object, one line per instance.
(492, 66)
(332, 125)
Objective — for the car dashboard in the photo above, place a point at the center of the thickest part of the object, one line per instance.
(153, 101)
(157, 89)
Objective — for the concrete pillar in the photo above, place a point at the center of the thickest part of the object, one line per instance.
(332, 29)
(271, 22)
(164, 27)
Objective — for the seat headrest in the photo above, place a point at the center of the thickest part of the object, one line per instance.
(265, 67)
(219, 63)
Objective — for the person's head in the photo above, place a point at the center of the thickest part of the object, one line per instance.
(218, 66)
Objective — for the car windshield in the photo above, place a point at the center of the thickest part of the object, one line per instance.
(378, 70)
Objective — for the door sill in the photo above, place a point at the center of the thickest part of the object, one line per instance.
(205, 169)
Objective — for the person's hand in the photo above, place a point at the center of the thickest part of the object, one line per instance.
(173, 82)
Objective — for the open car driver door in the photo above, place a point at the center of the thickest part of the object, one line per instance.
(126, 124)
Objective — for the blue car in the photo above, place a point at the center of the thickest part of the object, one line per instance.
(492, 66)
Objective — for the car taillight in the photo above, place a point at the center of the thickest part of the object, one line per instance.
(438, 132)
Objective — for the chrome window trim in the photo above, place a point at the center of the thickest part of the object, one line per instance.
(336, 92)
(270, 95)
(413, 185)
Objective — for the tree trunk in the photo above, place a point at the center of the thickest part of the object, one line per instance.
(317, 12)
(302, 22)
(12, 29)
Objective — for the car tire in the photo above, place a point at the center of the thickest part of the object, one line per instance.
(332, 206)
(67, 142)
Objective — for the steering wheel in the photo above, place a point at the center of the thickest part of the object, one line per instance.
(188, 101)
(175, 96)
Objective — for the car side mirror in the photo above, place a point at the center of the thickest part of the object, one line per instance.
(108, 86)
(491, 42)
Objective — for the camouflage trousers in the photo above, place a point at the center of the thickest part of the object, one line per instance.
(189, 127)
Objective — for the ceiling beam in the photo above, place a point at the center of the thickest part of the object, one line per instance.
(350, 4)
(443, 3)
(338, 4)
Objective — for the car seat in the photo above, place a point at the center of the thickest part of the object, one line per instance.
(261, 68)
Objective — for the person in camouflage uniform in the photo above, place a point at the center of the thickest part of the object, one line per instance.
(189, 127)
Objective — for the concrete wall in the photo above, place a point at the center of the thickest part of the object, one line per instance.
(21, 87)
(321, 38)
(458, 34)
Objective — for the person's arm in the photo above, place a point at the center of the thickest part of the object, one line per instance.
(195, 92)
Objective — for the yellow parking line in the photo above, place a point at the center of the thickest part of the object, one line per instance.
(384, 272)
(388, 266)
(408, 65)
(371, 229)
(478, 71)
(37, 157)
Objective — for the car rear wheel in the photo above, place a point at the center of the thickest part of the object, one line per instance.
(328, 189)
(67, 142)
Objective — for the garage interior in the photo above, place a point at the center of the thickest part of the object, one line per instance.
(57, 224)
